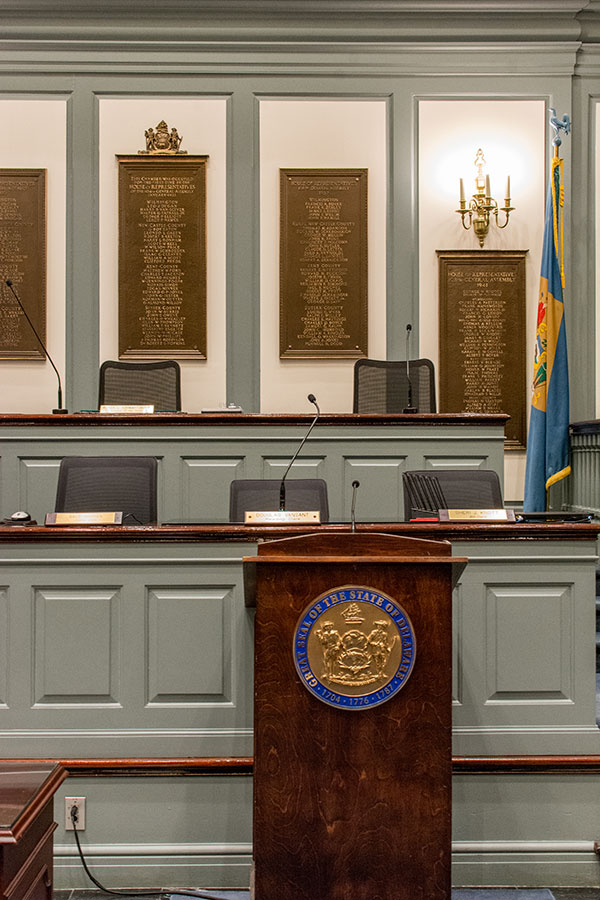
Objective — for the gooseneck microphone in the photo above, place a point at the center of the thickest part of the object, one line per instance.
(60, 409)
(355, 486)
(313, 400)
(409, 408)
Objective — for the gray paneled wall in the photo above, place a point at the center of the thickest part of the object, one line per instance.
(103, 64)
(145, 649)
(126, 652)
(198, 462)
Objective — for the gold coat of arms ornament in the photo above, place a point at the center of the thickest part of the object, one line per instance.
(354, 647)
(161, 140)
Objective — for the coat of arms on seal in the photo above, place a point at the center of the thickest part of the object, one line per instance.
(354, 647)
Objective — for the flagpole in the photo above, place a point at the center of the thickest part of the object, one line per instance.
(548, 437)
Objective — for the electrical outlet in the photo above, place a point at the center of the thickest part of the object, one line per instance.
(79, 803)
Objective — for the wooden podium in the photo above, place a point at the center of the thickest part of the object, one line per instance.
(352, 746)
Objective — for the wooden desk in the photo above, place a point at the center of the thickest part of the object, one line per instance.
(200, 455)
(131, 647)
(524, 646)
(26, 828)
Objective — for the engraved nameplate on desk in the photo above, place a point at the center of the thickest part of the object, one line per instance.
(282, 517)
(477, 515)
(84, 518)
(133, 408)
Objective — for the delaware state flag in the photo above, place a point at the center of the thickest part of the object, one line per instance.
(548, 442)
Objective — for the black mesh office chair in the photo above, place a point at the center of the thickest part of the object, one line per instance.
(157, 383)
(381, 386)
(450, 489)
(252, 494)
(124, 484)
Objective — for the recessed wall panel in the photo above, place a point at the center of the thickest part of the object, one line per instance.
(457, 646)
(4, 644)
(528, 643)
(202, 123)
(76, 645)
(304, 467)
(380, 495)
(205, 485)
(450, 131)
(37, 484)
(188, 653)
(34, 135)
(325, 133)
(455, 462)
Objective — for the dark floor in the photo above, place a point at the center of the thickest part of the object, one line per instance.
(458, 894)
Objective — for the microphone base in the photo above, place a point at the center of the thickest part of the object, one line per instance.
(410, 409)
(60, 412)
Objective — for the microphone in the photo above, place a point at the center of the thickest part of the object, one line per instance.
(313, 400)
(409, 408)
(60, 409)
(355, 486)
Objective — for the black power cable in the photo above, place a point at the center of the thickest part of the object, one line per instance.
(164, 894)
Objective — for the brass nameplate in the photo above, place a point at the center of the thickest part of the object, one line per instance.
(323, 263)
(477, 515)
(283, 517)
(22, 261)
(162, 256)
(126, 408)
(84, 518)
(482, 336)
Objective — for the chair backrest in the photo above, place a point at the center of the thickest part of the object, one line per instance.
(124, 484)
(251, 494)
(381, 386)
(157, 382)
(460, 489)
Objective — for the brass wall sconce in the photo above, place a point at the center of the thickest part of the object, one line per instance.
(482, 205)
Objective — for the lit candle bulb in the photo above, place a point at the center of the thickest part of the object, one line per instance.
(488, 192)
(507, 198)
(462, 193)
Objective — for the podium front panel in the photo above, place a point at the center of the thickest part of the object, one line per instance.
(352, 803)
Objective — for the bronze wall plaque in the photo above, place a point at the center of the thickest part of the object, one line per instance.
(323, 263)
(162, 256)
(482, 335)
(22, 261)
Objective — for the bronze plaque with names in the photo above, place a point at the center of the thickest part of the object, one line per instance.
(482, 336)
(162, 257)
(323, 263)
(22, 261)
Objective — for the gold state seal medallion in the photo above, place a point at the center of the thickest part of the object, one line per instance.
(354, 647)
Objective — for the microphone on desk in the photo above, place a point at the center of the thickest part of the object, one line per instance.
(60, 409)
(409, 408)
(355, 486)
(313, 400)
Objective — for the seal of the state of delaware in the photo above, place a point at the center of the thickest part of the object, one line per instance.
(354, 647)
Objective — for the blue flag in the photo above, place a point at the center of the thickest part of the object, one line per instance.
(548, 441)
